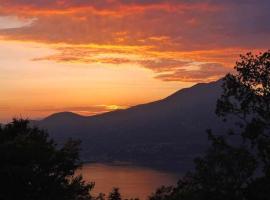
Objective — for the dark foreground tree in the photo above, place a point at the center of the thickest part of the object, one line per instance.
(115, 194)
(222, 174)
(235, 171)
(33, 167)
(246, 96)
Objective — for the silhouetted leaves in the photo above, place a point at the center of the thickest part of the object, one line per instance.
(115, 195)
(33, 167)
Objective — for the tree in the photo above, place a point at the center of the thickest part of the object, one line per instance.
(229, 171)
(101, 196)
(246, 96)
(115, 194)
(33, 167)
(222, 174)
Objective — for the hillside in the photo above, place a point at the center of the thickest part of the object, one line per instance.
(169, 132)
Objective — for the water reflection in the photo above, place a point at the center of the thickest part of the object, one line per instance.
(133, 181)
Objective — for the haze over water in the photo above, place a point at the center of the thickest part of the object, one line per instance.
(133, 181)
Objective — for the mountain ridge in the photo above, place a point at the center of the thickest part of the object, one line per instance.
(74, 114)
(172, 128)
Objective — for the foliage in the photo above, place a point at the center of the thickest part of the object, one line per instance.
(33, 167)
(235, 171)
(115, 195)
(247, 96)
(223, 173)
(101, 196)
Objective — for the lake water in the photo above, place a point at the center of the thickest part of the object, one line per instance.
(133, 181)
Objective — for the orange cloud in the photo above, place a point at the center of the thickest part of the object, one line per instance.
(170, 66)
(84, 110)
(204, 73)
(102, 7)
(164, 36)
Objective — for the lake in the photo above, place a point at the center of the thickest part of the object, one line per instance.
(133, 181)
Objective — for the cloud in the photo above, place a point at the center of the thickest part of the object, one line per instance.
(188, 25)
(164, 65)
(164, 36)
(9, 22)
(185, 66)
(85, 110)
(100, 7)
(206, 72)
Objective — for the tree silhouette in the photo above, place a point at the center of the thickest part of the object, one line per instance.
(33, 167)
(100, 196)
(246, 96)
(222, 174)
(232, 171)
(115, 194)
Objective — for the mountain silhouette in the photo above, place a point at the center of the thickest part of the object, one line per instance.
(169, 132)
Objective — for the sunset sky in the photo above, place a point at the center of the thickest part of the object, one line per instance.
(92, 56)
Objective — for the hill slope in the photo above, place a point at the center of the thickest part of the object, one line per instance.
(168, 132)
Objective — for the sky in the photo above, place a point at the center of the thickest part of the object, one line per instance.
(94, 56)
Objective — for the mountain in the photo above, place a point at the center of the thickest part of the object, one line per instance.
(169, 132)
